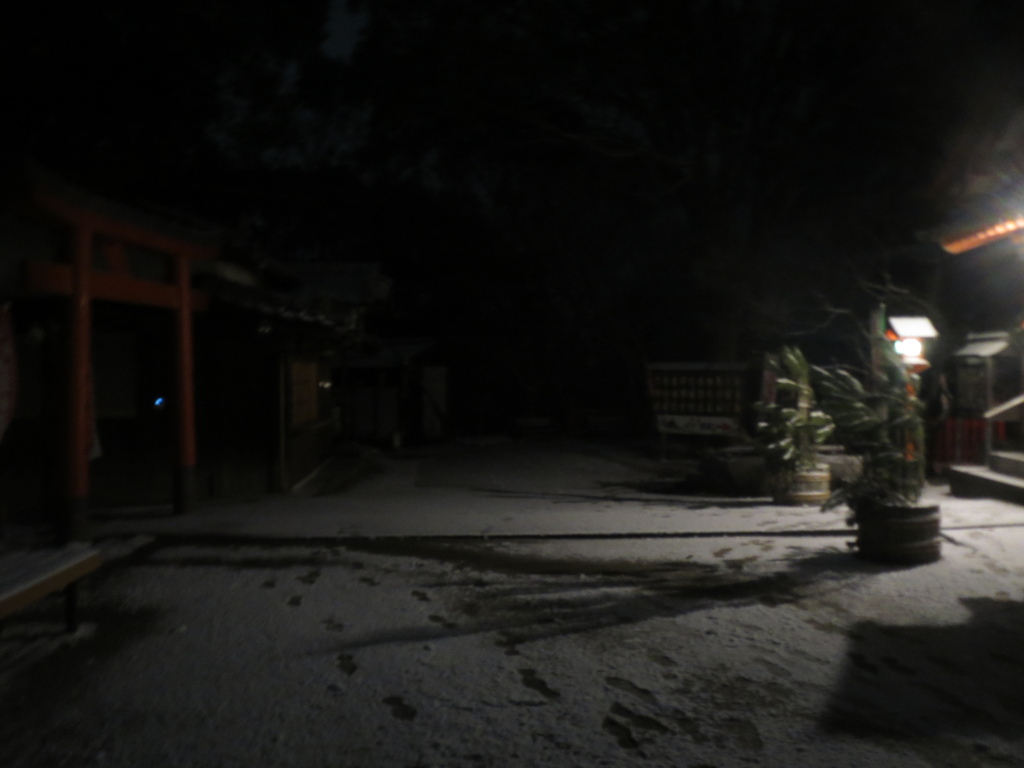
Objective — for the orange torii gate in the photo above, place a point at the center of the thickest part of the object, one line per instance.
(94, 224)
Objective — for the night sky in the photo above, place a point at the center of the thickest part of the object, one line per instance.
(561, 191)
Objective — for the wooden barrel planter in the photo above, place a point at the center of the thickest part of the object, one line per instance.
(898, 534)
(807, 488)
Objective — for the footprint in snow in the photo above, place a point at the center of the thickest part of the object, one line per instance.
(332, 626)
(295, 600)
(399, 709)
(661, 659)
(311, 577)
(628, 686)
(623, 736)
(638, 720)
(510, 644)
(421, 596)
(346, 663)
(533, 682)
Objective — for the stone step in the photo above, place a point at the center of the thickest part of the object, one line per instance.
(1007, 463)
(973, 482)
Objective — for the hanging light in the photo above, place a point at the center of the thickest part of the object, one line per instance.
(909, 334)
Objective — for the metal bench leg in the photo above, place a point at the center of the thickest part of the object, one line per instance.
(71, 606)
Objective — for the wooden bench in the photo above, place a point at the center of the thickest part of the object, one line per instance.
(30, 575)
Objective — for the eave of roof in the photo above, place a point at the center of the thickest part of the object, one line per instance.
(968, 240)
(55, 194)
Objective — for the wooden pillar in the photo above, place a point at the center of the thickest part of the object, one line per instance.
(74, 521)
(878, 324)
(283, 421)
(185, 466)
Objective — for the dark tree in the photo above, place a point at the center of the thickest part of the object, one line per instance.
(127, 94)
(562, 188)
(660, 178)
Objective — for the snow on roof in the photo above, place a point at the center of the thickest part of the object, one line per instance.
(913, 327)
(984, 347)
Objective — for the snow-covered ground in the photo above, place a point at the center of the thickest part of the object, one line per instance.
(423, 619)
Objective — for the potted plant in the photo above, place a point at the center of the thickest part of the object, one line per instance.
(883, 423)
(790, 431)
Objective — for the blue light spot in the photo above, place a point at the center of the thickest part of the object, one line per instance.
(158, 402)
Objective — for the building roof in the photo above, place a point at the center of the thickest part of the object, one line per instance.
(344, 282)
(390, 353)
(913, 327)
(272, 304)
(984, 344)
(27, 181)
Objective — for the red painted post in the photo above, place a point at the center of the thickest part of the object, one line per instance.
(74, 523)
(184, 479)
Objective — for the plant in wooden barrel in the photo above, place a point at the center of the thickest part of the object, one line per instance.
(790, 431)
(883, 423)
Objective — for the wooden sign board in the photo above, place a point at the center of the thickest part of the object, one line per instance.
(697, 398)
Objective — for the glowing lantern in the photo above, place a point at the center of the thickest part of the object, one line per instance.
(909, 335)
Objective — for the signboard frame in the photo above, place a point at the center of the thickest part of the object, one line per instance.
(698, 398)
